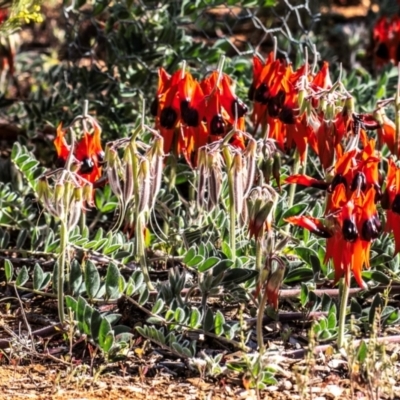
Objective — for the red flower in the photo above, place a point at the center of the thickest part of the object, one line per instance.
(61, 146)
(87, 151)
(391, 202)
(190, 114)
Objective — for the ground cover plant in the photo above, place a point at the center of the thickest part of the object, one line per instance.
(189, 199)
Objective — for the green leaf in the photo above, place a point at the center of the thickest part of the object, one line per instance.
(208, 263)
(71, 303)
(377, 276)
(108, 342)
(95, 324)
(332, 321)
(195, 317)
(238, 275)
(22, 277)
(92, 279)
(226, 249)
(219, 323)
(9, 270)
(87, 319)
(189, 255)
(303, 294)
(112, 282)
(195, 261)
(21, 239)
(37, 277)
(104, 332)
(179, 315)
(208, 322)
(302, 274)
(111, 249)
(144, 296)
(158, 306)
(130, 287)
(75, 278)
(297, 209)
(362, 352)
(80, 313)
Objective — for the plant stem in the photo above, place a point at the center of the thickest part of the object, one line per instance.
(292, 189)
(260, 322)
(61, 270)
(397, 113)
(232, 210)
(343, 308)
(140, 249)
(82, 220)
(259, 252)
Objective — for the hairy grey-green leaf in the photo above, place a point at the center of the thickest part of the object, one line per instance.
(22, 276)
(92, 279)
(37, 277)
(8, 269)
(112, 282)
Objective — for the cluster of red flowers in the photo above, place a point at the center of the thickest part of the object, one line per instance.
(281, 96)
(351, 220)
(297, 109)
(386, 38)
(87, 151)
(189, 114)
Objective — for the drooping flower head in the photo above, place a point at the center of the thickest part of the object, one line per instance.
(190, 114)
(87, 151)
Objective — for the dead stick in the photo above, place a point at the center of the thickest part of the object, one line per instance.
(289, 316)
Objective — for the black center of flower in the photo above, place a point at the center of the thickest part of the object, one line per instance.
(337, 180)
(190, 115)
(87, 166)
(168, 117)
(359, 182)
(385, 200)
(217, 125)
(100, 157)
(287, 115)
(382, 51)
(349, 230)
(276, 103)
(370, 230)
(261, 94)
(396, 204)
(239, 107)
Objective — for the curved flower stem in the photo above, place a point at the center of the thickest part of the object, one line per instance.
(140, 249)
(292, 189)
(232, 211)
(343, 308)
(259, 252)
(397, 114)
(260, 322)
(61, 270)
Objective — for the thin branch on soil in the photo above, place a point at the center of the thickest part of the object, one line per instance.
(289, 317)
